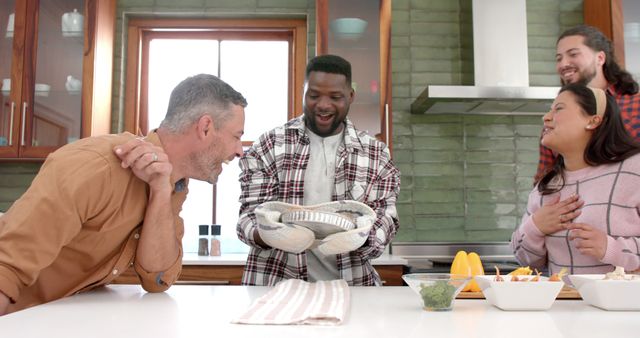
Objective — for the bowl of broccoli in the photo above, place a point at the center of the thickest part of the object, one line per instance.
(436, 290)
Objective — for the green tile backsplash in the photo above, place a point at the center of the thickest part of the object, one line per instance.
(15, 178)
(471, 175)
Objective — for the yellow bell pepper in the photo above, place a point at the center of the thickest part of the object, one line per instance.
(467, 265)
(476, 270)
(460, 264)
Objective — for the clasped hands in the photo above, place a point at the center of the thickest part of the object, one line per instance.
(556, 215)
(295, 238)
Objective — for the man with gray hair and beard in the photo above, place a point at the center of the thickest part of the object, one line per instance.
(104, 203)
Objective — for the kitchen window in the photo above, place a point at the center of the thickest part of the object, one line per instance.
(262, 59)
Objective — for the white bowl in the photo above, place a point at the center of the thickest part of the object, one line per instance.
(42, 89)
(348, 28)
(508, 295)
(608, 294)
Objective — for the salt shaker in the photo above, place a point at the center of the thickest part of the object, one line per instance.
(203, 240)
(215, 242)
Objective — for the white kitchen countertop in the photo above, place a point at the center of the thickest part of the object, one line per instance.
(241, 259)
(206, 311)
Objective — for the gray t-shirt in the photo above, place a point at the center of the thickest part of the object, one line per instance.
(318, 188)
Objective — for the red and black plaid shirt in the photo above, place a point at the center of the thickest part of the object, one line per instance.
(273, 170)
(629, 106)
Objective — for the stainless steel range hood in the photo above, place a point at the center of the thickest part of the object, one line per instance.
(501, 68)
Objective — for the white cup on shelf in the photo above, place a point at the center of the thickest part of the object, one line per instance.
(73, 85)
(6, 85)
(10, 25)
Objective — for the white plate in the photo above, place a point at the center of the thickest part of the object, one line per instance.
(608, 294)
(42, 87)
(70, 34)
(508, 295)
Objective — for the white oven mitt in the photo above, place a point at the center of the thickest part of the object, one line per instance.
(351, 240)
(287, 237)
(292, 237)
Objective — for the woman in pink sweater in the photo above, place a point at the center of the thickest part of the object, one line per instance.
(584, 214)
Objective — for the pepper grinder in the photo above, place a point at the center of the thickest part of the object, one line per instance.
(215, 242)
(203, 240)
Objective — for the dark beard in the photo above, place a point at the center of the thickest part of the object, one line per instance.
(311, 124)
(584, 79)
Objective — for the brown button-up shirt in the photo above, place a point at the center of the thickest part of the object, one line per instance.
(78, 225)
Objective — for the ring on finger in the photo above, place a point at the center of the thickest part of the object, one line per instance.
(154, 157)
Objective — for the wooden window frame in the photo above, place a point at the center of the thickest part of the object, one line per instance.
(141, 30)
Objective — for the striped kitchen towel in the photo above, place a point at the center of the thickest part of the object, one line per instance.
(295, 301)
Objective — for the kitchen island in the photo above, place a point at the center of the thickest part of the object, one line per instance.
(206, 311)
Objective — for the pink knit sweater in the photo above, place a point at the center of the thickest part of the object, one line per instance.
(612, 203)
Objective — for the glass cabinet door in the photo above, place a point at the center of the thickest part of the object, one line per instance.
(41, 57)
(7, 112)
(43, 47)
(359, 31)
(55, 114)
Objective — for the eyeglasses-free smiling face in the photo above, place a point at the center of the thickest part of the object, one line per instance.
(326, 104)
(225, 144)
(567, 128)
(576, 62)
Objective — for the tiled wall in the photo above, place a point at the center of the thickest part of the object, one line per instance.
(15, 178)
(464, 177)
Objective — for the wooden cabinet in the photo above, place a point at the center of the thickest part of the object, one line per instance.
(360, 31)
(391, 275)
(232, 275)
(195, 274)
(607, 16)
(56, 68)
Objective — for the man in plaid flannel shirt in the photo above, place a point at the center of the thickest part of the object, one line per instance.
(318, 157)
(584, 54)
